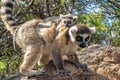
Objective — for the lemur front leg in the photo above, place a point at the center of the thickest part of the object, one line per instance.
(74, 59)
(58, 61)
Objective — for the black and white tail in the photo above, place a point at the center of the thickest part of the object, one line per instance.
(6, 15)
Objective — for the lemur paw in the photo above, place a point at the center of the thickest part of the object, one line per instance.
(63, 72)
(83, 66)
(37, 74)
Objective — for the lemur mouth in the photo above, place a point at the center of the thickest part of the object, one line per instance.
(67, 25)
(82, 44)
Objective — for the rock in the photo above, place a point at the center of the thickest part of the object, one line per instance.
(104, 60)
(103, 64)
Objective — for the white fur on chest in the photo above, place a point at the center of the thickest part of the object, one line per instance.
(70, 48)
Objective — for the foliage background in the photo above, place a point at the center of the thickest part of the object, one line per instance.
(103, 14)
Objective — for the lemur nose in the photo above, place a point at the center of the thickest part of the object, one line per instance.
(82, 44)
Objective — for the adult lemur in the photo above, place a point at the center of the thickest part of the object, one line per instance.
(67, 42)
(35, 44)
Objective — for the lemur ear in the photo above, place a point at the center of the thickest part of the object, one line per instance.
(72, 32)
(92, 29)
(75, 18)
(61, 16)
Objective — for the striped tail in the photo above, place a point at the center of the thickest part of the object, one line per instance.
(6, 15)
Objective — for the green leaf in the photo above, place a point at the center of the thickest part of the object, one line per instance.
(62, 2)
(2, 65)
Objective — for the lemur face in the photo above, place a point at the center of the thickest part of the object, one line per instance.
(68, 20)
(82, 39)
(81, 34)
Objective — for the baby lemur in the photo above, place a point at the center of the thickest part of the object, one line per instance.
(35, 44)
(67, 20)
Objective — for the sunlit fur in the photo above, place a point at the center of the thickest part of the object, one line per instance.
(37, 43)
(33, 43)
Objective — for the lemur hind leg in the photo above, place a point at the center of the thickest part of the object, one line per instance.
(30, 59)
(43, 59)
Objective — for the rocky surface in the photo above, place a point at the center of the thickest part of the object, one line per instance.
(103, 63)
(104, 60)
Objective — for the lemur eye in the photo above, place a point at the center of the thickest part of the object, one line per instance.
(69, 22)
(86, 39)
(63, 17)
(74, 19)
(65, 22)
(79, 38)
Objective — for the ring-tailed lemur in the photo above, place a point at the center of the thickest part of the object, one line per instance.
(36, 45)
(78, 36)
